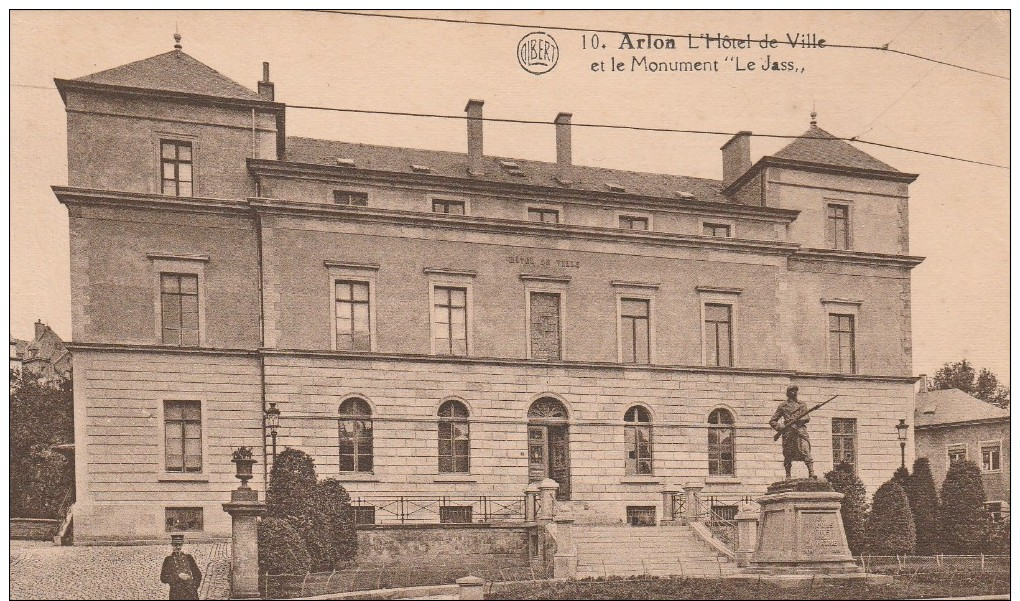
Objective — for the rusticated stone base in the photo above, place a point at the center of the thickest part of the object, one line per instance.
(801, 531)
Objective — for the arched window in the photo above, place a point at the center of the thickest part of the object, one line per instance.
(454, 438)
(355, 426)
(720, 443)
(638, 439)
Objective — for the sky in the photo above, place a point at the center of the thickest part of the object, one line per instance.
(959, 212)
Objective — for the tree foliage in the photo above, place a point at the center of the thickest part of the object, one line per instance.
(889, 529)
(41, 417)
(853, 506)
(291, 480)
(983, 385)
(963, 520)
(327, 526)
(281, 550)
(924, 506)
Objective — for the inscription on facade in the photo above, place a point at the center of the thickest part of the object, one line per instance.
(820, 532)
(543, 261)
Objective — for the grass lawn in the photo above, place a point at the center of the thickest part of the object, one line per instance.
(903, 587)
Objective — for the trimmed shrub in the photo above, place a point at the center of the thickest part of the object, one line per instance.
(291, 480)
(998, 539)
(281, 549)
(853, 506)
(963, 520)
(327, 526)
(900, 476)
(889, 529)
(924, 505)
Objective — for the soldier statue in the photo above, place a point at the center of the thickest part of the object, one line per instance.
(796, 444)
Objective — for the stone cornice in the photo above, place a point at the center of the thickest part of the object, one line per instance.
(113, 347)
(509, 226)
(135, 200)
(771, 161)
(532, 192)
(65, 85)
(969, 422)
(855, 258)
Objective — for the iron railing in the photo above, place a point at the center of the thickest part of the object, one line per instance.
(446, 509)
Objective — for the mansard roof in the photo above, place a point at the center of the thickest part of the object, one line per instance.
(819, 146)
(173, 71)
(503, 170)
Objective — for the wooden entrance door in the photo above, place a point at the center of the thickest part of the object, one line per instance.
(549, 444)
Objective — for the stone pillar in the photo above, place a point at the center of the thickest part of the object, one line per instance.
(669, 505)
(565, 560)
(471, 587)
(547, 500)
(747, 536)
(692, 509)
(244, 509)
(531, 502)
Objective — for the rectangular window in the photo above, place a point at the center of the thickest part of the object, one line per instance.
(454, 514)
(450, 207)
(184, 519)
(176, 167)
(724, 512)
(629, 222)
(545, 325)
(638, 441)
(844, 441)
(994, 509)
(635, 330)
(183, 423)
(641, 515)
(716, 230)
(720, 450)
(450, 321)
(350, 198)
(363, 514)
(353, 330)
(957, 452)
(719, 335)
(543, 215)
(179, 304)
(838, 231)
(454, 446)
(842, 357)
(991, 456)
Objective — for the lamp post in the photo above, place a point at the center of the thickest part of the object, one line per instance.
(273, 423)
(901, 433)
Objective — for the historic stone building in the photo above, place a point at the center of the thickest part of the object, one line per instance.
(458, 324)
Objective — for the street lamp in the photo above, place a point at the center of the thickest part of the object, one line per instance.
(273, 423)
(901, 433)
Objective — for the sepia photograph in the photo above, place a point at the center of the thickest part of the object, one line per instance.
(509, 304)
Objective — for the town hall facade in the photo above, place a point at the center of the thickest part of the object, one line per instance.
(440, 324)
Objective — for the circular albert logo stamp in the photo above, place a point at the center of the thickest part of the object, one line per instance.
(538, 52)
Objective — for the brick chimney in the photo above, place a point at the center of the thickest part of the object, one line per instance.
(736, 157)
(922, 383)
(563, 150)
(266, 88)
(474, 131)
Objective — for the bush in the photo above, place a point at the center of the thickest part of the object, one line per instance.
(963, 520)
(327, 526)
(889, 529)
(900, 476)
(853, 506)
(281, 550)
(998, 539)
(291, 480)
(924, 505)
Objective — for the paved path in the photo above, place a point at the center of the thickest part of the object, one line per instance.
(44, 571)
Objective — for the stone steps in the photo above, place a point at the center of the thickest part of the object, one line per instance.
(653, 551)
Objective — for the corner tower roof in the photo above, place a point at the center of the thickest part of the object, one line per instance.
(819, 146)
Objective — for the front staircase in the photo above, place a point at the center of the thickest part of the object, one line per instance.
(621, 550)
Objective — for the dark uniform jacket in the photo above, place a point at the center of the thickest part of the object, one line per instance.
(174, 566)
(796, 444)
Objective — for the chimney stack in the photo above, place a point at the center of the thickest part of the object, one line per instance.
(266, 88)
(922, 383)
(736, 157)
(563, 150)
(474, 131)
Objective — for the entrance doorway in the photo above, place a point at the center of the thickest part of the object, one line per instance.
(549, 444)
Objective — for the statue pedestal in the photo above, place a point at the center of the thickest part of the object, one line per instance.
(801, 531)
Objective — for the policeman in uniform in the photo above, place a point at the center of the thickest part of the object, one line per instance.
(180, 571)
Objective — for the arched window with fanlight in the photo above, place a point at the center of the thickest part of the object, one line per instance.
(454, 438)
(637, 433)
(355, 428)
(720, 443)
